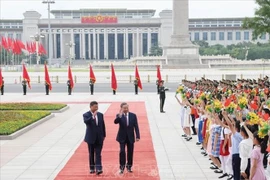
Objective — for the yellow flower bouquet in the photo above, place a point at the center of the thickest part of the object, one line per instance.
(268, 103)
(231, 108)
(253, 92)
(202, 96)
(209, 108)
(197, 101)
(242, 102)
(217, 105)
(263, 130)
(209, 96)
(253, 118)
(180, 89)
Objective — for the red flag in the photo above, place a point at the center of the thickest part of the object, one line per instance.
(1, 78)
(92, 75)
(16, 49)
(33, 47)
(113, 79)
(137, 76)
(4, 43)
(28, 47)
(26, 76)
(70, 77)
(158, 73)
(47, 77)
(41, 49)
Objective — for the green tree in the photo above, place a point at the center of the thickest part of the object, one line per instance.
(260, 23)
(156, 51)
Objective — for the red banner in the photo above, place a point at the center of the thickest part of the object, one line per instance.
(99, 19)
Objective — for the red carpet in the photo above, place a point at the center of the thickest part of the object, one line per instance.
(144, 165)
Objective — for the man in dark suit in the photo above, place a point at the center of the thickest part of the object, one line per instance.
(69, 87)
(128, 123)
(95, 135)
(2, 87)
(162, 95)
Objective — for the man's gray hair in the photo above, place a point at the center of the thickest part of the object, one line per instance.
(123, 104)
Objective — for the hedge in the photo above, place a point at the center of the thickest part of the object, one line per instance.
(12, 121)
(31, 106)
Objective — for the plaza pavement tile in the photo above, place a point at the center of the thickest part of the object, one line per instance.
(42, 152)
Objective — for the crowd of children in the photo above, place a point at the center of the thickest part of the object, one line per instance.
(232, 122)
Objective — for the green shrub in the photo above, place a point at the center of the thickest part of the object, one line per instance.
(12, 121)
(31, 106)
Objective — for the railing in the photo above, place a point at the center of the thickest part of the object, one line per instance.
(130, 78)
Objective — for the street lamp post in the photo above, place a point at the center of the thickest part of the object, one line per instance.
(70, 45)
(49, 2)
(37, 38)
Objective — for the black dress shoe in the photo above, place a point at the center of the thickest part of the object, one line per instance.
(213, 167)
(121, 171)
(99, 172)
(189, 138)
(129, 170)
(198, 143)
(218, 171)
(223, 175)
(162, 111)
(92, 171)
(230, 177)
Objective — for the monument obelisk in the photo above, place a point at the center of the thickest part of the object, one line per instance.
(181, 51)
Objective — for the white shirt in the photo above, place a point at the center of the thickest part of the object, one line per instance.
(226, 132)
(95, 117)
(245, 150)
(127, 118)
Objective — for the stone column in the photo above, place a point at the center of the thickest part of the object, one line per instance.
(134, 53)
(89, 45)
(83, 45)
(105, 44)
(94, 44)
(61, 44)
(138, 43)
(149, 43)
(98, 47)
(116, 44)
(127, 43)
(180, 22)
(54, 45)
(124, 43)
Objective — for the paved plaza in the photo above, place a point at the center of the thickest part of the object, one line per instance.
(43, 151)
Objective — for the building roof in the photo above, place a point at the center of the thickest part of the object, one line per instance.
(123, 10)
(11, 21)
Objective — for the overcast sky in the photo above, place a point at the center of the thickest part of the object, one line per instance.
(14, 9)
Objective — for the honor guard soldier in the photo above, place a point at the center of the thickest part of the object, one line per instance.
(158, 83)
(47, 87)
(24, 86)
(136, 86)
(162, 95)
(114, 92)
(91, 84)
(2, 87)
(69, 87)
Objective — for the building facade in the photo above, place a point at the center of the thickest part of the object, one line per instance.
(118, 33)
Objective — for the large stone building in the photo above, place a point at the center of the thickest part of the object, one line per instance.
(119, 33)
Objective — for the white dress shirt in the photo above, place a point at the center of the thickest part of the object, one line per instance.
(95, 117)
(127, 119)
(245, 150)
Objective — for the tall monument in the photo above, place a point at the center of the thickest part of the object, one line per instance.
(181, 51)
